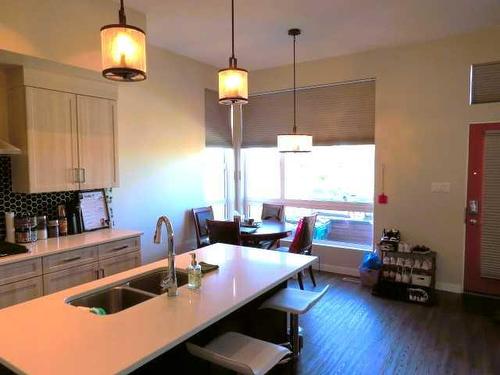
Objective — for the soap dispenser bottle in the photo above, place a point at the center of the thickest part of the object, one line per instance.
(194, 273)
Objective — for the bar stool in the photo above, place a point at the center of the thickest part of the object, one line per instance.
(243, 354)
(295, 302)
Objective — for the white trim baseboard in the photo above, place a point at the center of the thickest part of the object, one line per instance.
(351, 271)
(450, 287)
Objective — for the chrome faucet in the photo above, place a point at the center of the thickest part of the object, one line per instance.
(169, 283)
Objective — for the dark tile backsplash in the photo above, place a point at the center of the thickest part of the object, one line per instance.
(36, 204)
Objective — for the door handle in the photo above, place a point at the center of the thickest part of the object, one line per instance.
(473, 207)
(472, 221)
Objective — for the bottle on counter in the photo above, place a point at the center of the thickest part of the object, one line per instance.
(194, 273)
(63, 220)
(53, 228)
(41, 227)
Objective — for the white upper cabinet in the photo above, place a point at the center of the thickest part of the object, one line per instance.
(68, 141)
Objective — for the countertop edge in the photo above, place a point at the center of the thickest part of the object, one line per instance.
(27, 256)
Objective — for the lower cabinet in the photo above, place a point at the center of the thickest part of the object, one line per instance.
(56, 281)
(21, 291)
(32, 278)
(120, 263)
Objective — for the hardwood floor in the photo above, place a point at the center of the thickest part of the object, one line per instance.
(352, 332)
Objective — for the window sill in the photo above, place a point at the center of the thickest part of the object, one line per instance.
(335, 245)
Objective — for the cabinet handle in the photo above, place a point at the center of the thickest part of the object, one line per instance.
(97, 274)
(119, 248)
(67, 260)
(76, 177)
(102, 273)
(81, 175)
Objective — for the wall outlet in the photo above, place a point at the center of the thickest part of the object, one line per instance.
(440, 187)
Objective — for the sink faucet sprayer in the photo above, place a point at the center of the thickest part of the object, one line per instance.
(169, 283)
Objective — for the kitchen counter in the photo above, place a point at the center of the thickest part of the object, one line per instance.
(76, 241)
(48, 336)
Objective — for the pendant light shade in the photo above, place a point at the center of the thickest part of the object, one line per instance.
(294, 142)
(233, 81)
(123, 49)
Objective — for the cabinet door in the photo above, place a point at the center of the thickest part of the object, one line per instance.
(52, 140)
(120, 263)
(97, 142)
(20, 291)
(55, 281)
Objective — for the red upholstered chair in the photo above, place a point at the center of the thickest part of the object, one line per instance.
(302, 243)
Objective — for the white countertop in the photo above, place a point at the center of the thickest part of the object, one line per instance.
(76, 241)
(48, 336)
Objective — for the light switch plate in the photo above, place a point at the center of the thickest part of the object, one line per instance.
(440, 187)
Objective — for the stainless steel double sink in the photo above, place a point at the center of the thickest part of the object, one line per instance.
(129, 293)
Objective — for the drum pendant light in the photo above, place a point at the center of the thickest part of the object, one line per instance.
(233, 81)
(294, 142)
(123, 49)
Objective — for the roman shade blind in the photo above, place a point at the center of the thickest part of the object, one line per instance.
(485, 83)
(217, 123)
(332, 114)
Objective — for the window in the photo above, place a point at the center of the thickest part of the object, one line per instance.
(336, 182)
(217, 164)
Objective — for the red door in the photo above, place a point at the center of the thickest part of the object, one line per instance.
(482, 249)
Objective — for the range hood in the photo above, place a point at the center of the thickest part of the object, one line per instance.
(8, 149)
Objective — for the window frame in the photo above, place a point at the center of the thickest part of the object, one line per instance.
(365, 207)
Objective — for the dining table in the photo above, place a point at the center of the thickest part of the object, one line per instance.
(265, 234)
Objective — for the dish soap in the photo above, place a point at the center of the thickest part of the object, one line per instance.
(194, 273)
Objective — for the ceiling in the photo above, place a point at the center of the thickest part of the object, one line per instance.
(201, 29)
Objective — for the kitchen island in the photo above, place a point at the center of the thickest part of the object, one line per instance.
(49, 336)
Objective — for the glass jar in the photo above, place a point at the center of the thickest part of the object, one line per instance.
(53, 228)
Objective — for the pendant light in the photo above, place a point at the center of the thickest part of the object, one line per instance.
(294, 142)
(123, 49)
(233, 81)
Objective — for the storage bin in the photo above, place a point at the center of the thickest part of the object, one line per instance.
(421, 280)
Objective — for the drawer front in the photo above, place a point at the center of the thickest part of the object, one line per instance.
(115, 248)
(120, 263)
(20, 291)
(17, 271)
(68, 259)
(56, 281)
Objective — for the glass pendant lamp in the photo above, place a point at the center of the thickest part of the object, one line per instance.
(294, 142)
(233, 81)
(123, 49)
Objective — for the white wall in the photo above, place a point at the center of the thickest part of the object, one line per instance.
(422, 122)
(160, 121)
(162, 135)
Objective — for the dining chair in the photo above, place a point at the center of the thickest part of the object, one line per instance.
(224, 232)
(302, 243)
(200, 217)
(273, 212)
